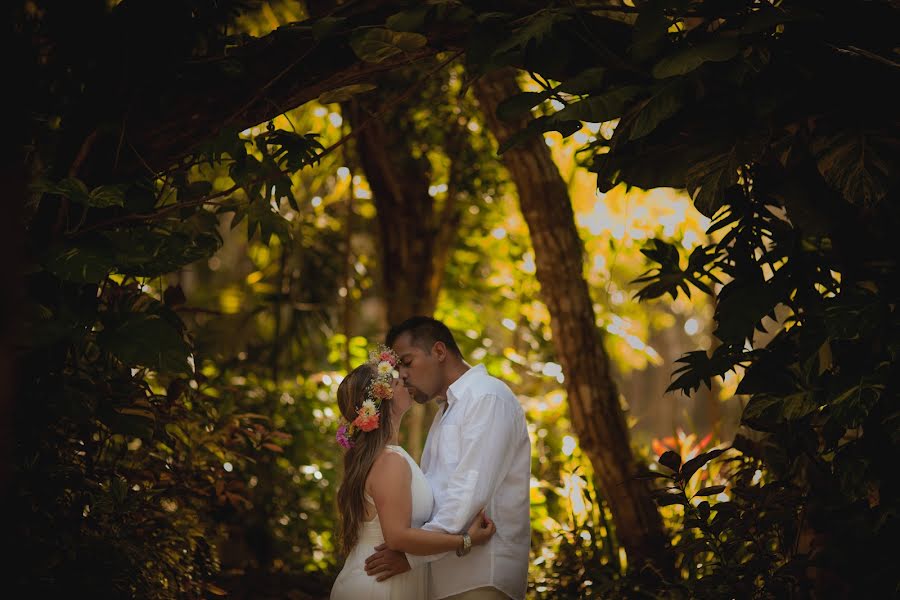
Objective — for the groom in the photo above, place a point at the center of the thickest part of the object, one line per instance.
(477, 455)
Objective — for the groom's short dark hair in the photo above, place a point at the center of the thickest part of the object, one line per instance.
(424, 331)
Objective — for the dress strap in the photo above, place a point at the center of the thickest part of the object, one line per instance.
(399, 451)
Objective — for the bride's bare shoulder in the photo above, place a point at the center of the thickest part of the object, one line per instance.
(390, 459)
(389, 468)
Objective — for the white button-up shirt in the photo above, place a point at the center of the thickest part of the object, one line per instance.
(478, 455)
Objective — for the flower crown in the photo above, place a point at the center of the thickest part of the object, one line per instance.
(384, 360)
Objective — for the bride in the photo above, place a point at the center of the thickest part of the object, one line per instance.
(384, 496)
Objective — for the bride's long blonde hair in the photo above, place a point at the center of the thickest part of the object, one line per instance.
(359, 458)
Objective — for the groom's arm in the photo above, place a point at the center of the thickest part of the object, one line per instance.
(385, 563)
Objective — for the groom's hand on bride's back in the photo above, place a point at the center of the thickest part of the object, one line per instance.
(386, 563)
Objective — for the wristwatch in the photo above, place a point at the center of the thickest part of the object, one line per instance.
(467, 545)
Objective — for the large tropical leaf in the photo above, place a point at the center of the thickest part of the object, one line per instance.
(688, 59)
(856, 163)
(598, 109)
(745, 302)
(708, 179)
(588, 81)
(537, 27)
(649, 32)
(699, 368)
(377, 45)
(665, 100)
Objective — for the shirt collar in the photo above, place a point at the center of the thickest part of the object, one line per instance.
(459, 387)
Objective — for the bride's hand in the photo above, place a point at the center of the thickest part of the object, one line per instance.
(481, 529)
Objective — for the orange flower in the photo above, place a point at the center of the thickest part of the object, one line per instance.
(366, 422)
(382, 390)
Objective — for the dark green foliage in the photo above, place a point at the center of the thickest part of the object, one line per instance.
(121, 439)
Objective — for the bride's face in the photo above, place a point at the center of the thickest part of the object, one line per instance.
(401, 401)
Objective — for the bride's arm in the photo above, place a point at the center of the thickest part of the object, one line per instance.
(389, 481)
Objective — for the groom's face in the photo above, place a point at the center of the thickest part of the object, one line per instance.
(419, 369)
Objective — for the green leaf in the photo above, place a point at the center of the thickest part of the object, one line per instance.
(147, 340)
(75, 190)
(767, 17)
(647, 474)
(694, 464)
(711, 490)
(667, 499)
(72, 188)
(798, 405)
(408, 20)
(536, 28)
(708, 179)
(344, 93)
(699, 368)
(149, 252)
(649, 32)
(378, 44)
(290, 151)
(267, 222)
(855, 163)
(670, 459)
(666, 100)
(669, 277)
(586, 82)
(84, 264)
(598, 109)
(745, 302)
(689, 59)
(519, 106)
(105, 196)
(704, 509)
(762, 412)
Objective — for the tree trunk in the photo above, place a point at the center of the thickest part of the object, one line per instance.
(414, 244)
(399, 184)
(593, 400)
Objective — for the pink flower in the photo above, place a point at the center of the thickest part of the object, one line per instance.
(388, 356)
(342, 438)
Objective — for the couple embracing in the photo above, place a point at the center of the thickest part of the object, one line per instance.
(458, 526)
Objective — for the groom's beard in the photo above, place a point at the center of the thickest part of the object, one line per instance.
(418, 396)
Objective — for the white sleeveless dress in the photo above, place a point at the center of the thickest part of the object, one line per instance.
(352, 583)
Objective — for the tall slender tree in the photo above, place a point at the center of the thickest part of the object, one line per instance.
(594, 405)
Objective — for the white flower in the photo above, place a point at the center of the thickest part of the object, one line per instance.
(368, 408)
(384, 367)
